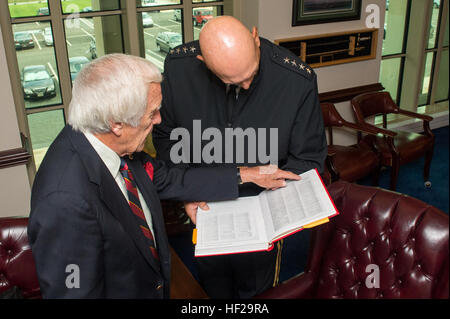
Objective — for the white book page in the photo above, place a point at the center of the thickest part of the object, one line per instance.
(298, 204)
(234, 223)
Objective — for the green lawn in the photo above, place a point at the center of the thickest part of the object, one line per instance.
(21, 8)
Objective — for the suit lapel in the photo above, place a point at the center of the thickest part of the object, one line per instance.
(110, 193)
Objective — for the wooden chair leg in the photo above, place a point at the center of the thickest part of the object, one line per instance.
(394, 174)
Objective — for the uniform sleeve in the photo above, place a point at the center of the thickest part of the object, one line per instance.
(161, 132)
(308, 144)
(194, 184)
(67, 247)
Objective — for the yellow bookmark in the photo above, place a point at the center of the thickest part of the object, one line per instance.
(194, 236)
(316, 223)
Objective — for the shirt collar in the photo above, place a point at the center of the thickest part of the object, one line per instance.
(108, 156)
(230, 86)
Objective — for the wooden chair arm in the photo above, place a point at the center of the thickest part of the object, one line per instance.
(360, 128)
(379, 129)
(330, 166)
(415, 115)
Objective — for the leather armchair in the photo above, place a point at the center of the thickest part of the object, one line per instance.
(353, 162)
(405, 238)
(395, 147)
(17, 267)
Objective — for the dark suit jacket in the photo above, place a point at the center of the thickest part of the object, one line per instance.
(80, 217)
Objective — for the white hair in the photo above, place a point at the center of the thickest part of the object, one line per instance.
(111, 89)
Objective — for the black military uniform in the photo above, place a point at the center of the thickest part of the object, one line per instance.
(283, 95)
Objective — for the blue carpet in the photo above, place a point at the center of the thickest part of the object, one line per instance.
(410, 179)
(410, 182)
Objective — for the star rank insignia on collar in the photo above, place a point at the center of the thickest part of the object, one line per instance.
(193, 49)
(172, 51)
(293, 64)
(185, 49)
(178, 50)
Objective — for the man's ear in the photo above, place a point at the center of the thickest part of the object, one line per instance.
(255, 36)
(116, 128)
(200, 58)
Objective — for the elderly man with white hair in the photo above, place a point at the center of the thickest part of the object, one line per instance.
(96, 227)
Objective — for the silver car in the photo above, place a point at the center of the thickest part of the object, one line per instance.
(147, 20)
(166, 41)
(48, 36)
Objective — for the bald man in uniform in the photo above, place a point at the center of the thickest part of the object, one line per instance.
(232, 78)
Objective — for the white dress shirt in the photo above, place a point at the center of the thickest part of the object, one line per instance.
(112, 162)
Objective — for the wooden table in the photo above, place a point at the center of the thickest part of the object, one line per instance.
(183, 285)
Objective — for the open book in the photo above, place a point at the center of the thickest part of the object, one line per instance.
(254, 223)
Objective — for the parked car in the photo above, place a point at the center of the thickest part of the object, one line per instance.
(23, 40)
(76, 64)
(166, 41)
(201, 16)
(87, 9)
(48, 36)
(37, 82)
(147, 20)
(43, 12)
(177, 15)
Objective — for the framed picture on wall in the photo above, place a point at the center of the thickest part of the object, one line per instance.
(324, 11)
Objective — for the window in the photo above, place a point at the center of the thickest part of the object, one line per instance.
(395, 32)
(431, 54)
(162, 31)
(54, 39)
(35, 53)
(20, 9)
(394, 27)
(424, 94)
(442, 81)
(404, 49)
(390, 75)
(91, 37)
(200, 16)
(80, 6)
(44, 127)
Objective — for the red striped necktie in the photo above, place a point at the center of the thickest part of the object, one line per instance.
(136, 208)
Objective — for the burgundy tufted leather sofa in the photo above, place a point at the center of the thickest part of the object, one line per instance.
(405, 238)
(17, 267)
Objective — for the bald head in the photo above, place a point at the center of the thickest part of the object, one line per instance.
(230, 50)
